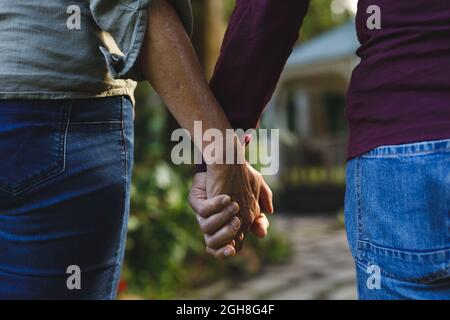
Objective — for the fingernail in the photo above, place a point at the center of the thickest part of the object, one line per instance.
(228, 252)
(225, 200)
(236, 223)
(235, 208)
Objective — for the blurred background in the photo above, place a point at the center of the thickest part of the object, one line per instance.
(305, 255)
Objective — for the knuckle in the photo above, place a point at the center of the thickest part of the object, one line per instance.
(230, 232)
(202, 210)
(209, 242)
(205, 227)
(217, 203)
(201, 223)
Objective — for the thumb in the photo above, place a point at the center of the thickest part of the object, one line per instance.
(260, 226)
(266, 198)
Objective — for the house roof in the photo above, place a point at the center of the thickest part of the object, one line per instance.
(335, 44)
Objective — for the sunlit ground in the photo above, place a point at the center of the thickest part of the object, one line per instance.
(321, 266)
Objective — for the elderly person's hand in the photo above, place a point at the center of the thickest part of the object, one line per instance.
(220, 217)
(245, 186)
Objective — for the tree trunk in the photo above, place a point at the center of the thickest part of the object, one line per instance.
(213, 32)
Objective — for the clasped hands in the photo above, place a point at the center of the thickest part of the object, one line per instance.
(229, 201)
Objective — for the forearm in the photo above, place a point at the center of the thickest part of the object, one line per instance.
(257, 44)
(170, 64)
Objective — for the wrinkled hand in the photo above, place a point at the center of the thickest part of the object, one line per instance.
(217, 219)
(247, 187)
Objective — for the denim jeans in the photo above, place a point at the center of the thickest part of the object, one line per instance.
(64, 196)
(397, 212)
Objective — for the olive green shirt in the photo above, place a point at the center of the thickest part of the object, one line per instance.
(65, 49)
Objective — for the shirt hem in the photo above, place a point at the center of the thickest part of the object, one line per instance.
(66, 95)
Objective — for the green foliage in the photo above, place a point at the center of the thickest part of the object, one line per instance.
(320, 19)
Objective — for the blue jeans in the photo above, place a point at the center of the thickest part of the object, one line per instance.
(64, 196)
(397, 212)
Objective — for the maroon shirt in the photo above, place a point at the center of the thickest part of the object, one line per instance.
(399, 93)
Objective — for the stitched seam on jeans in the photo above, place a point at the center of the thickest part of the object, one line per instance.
(407, 154)
(404, 253)
(395, 150)
(96, 122)
(387, 253)
(125, 149)
(428, 279)
(358, 206)
(66, 133)
(115, 281)
(364, 264)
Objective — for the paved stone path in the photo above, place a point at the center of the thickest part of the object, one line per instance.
(321, 268)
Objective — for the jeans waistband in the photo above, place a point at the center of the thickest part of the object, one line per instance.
(417, 148)
(97, 110)
(90, 110)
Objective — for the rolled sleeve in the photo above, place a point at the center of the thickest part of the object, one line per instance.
(126, 22)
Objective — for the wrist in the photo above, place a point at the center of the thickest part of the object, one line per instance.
(230, 153)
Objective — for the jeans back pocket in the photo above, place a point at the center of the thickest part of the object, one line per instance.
(403, 214)
(32, 142)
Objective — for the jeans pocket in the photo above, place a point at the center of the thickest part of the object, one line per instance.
(403, 214)
(32, 142)
(416, 267)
